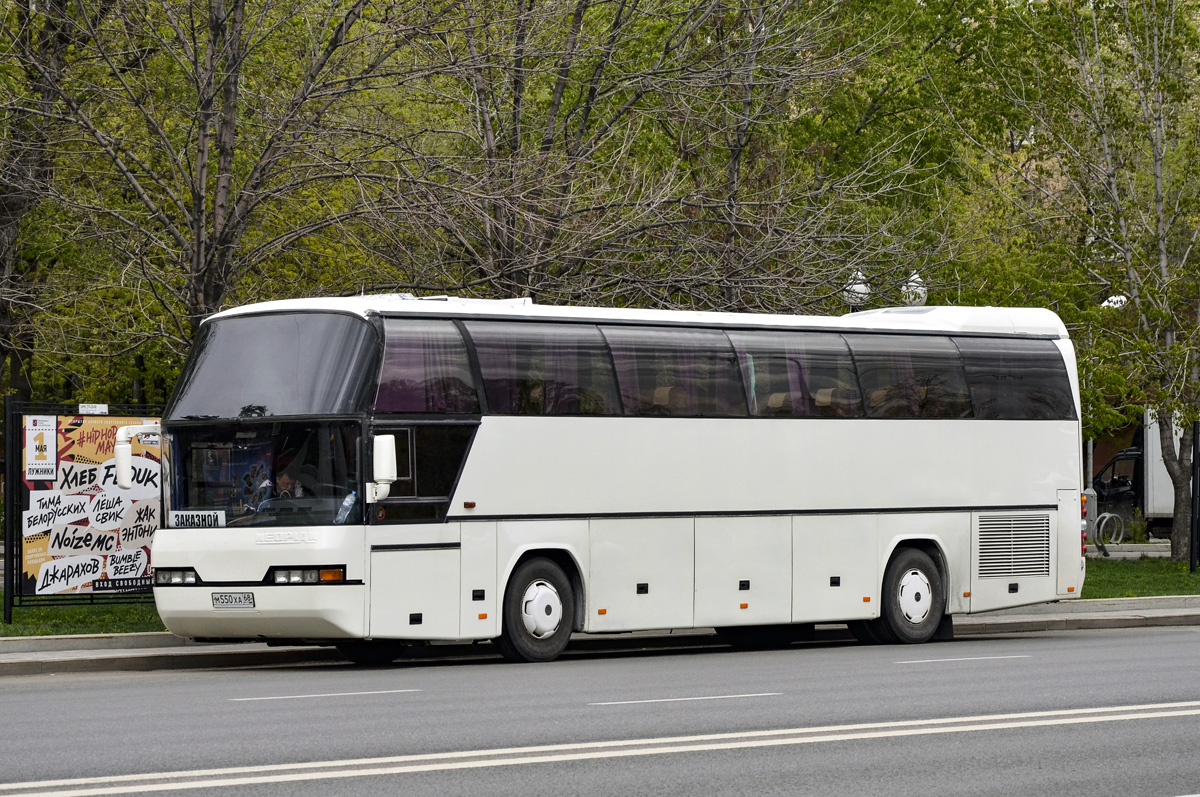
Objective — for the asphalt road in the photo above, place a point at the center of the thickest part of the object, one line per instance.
(1060, 713)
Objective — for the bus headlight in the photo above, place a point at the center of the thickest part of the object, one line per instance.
(306, 575)
(170, 577)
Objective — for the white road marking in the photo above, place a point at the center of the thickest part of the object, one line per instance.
(330, 694)
(475, 759)
(683, 699)
(971, 658)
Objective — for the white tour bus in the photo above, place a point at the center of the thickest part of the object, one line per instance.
(377, 471)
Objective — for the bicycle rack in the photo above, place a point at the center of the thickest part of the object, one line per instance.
(1114, 539)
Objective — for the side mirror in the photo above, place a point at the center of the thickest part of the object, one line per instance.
(384, 467)
(385, 458)
(123, 456)
(123, 451)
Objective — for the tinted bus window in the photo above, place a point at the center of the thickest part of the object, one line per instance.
(425, 369)
(1017, 379)
(544, 369)
(277, 364)
(797, 374)
(910, 376)
(429, 459)
(682, 372)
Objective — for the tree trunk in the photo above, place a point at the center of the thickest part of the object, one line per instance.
(1177, 457)
(1181, 525)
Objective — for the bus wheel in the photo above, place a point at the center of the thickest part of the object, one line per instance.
(861, 630)
(538, 610)
(914, 599)
(371, 653)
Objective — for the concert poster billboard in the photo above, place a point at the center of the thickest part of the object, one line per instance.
(79, 533)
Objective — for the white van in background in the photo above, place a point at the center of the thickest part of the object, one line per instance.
(1137, 480)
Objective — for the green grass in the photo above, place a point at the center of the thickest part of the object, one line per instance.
(1138, 578)
(41, 619)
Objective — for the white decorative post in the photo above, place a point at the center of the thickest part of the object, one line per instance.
(856, 292)
(914, 293)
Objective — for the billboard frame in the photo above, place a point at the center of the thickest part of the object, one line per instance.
(14, 479)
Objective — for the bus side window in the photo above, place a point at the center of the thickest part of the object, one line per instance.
(1017, 379)
(676, 372)
(425, 369)
(432, 456)
(797, 374)
(404, 485)
(904, 376)
(544, 369)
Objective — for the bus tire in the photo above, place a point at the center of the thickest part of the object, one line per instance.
(914, 598)
(861, 630)
(371, 653)
(539, 608)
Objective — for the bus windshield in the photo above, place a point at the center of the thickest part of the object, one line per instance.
(277, 364)
(260, 473)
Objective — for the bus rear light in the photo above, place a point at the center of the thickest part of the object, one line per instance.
(329, 574)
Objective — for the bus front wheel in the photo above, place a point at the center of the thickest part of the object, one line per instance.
(914, 599)
(539, 608)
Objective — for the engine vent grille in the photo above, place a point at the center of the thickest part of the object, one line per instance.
(1014, 545)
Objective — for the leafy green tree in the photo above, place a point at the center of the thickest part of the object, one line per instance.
(1104, 95)
(42, 44)
(215, 140)
(712, 154)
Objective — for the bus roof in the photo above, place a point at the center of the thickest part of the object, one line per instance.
(979, 320)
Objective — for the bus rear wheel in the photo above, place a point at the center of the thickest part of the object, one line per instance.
(539, 608)
(914, 599)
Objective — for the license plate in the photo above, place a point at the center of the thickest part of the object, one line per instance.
(233, 600)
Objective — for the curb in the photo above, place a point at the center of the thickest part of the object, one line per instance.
(968, 626)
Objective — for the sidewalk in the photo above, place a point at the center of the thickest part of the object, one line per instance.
(163, 651)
